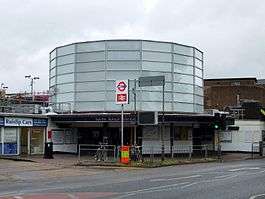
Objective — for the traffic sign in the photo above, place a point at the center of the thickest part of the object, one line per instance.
(121, 88)
(151, 81)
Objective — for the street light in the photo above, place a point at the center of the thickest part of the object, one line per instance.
(32, 79)
(3, 87)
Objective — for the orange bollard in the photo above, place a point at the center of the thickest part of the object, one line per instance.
(125, 154)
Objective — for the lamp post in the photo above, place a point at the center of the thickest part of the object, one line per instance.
(3, 87)
(3, 91)
(32, 79)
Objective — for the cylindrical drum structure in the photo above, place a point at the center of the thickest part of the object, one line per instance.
(83, 75)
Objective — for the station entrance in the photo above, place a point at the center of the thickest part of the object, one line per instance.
(109, 135)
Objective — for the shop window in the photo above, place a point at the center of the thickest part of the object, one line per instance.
(60, 137)
(181, 133)
(37, 139)
(10, 141)
(0, 141)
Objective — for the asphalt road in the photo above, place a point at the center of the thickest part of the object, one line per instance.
(238, 179)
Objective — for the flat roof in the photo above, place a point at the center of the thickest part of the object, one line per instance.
(23, 115)
(106, 40)
(130, 118)
(261, 81)
(232, 78)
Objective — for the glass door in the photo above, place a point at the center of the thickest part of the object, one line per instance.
(37, 141)
(24, 138)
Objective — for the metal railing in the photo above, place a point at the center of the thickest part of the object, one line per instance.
(258, 149)
(111, 153)
(184, 151)
(97, 152)
(21, 108)
(62, 107)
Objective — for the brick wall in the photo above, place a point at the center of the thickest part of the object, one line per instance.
(220, 94)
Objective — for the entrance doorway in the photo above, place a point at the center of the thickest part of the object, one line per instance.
(36, 141)
(24, 140)
(31, 141)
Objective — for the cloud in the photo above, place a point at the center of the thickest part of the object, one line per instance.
(231, 33)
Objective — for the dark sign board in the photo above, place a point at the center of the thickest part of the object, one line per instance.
(147, 118)
(151, 81)
(2, 121)
(94, 118)
(40, 122)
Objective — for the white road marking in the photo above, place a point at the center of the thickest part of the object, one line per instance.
(220, 179)
(17, 197)
(188, 185)
(244, 168)
(253, 197)
(72, 196)
(255, 173)
(223, 176)
(152, 189)
(178, 178)
(209, 181)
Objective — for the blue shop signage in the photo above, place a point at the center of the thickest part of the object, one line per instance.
(41, 122)
(2, 121)
(10, 149)
(23, 122)
(16, 121)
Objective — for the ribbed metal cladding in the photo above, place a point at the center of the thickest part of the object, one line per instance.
(84, 74)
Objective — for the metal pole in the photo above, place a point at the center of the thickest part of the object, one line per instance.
(122, 125)
(135, 125)
(163, 126)
(219, 150)
(31, 84)
(79, 155)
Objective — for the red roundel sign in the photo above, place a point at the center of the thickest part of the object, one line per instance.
(121, 92)
(121, 86)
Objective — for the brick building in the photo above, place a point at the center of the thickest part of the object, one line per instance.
(221, 93)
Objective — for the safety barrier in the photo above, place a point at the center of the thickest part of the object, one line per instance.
(97, 152)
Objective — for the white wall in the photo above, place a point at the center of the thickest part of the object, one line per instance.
(66, 148)
(183, 146)
(250, 131)
(152, 140)
(61, 142)
(64, 140)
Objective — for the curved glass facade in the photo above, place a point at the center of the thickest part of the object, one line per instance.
(84, 75)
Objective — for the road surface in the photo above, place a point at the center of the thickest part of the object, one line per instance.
(238, 179)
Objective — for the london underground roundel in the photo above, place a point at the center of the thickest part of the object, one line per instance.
(121, 86)
(121, 96)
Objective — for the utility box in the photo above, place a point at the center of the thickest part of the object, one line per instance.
(48, 150)
(262, 148)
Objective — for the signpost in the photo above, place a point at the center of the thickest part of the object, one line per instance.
(122, 97)
(157, 81)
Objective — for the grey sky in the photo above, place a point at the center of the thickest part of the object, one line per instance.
(231, 33)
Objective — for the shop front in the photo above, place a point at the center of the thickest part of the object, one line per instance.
(22, 135)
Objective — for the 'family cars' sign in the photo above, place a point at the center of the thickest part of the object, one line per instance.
(15, 121)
